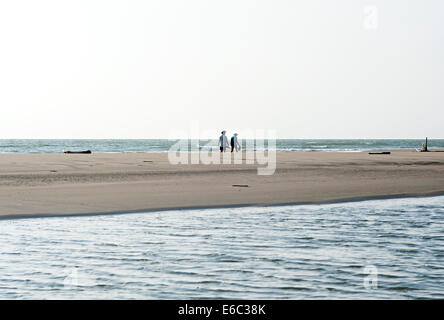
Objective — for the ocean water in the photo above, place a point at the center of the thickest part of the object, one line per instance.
(391, 249)
(163, 145)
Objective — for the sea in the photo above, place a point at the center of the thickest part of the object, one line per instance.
(375, 249)
(164, 145)
(378, 249)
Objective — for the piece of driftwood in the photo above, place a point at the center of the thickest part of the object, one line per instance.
(240, 185)
(383, 152)
(77, 152)
(424, 146)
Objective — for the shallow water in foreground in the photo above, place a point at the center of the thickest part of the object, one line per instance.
(390, 249)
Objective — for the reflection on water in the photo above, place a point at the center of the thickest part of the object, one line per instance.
(362, 250)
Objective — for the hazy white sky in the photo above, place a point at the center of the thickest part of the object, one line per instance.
(140, 69)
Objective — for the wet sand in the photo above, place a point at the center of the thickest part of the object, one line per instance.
(60, 184)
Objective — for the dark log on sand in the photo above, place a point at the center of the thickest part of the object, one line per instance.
(78, 152)
(383, 152)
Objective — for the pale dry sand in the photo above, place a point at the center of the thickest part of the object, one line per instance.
(59, 184)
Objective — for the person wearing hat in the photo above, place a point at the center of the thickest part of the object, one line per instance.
(234, 143)
(223, 142)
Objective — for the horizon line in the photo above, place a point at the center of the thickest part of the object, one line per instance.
(210, 138)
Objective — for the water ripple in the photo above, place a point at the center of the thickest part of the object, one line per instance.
(283, 252)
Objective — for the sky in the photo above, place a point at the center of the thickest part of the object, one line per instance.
(146, 69)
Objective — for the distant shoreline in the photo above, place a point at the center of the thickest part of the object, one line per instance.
(216, 152)
(56, 146)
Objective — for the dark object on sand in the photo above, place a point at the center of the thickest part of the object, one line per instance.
(78, 152)
(383, 152)
(240, 185)
(424, 146)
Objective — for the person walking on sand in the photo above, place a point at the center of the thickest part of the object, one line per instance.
(223, 142)
(234, 143)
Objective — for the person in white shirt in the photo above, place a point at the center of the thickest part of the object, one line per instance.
(223, 142)
(234, 143)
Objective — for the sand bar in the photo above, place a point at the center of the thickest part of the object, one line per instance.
(59, 184)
